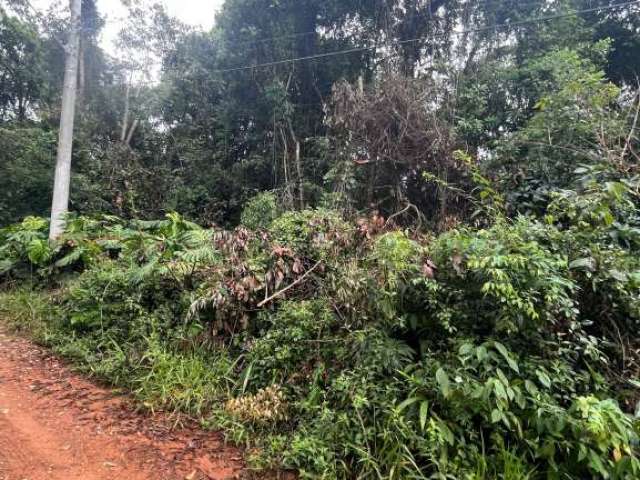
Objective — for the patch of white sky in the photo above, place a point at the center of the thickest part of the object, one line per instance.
(196, 13)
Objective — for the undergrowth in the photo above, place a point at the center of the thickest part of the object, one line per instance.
(356, 350)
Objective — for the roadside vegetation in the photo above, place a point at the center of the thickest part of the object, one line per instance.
(418, 262)
(346, 350)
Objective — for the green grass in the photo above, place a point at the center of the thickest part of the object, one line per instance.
(27, 311)
(193, 382)
(188, 382)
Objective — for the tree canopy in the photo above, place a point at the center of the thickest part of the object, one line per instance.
(231, 113)
(408, 239)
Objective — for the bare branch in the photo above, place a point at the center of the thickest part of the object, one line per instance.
(286, 289)
(634, 125)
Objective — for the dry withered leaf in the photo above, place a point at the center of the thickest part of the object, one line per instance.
(297, 266)
(456, 260)
(428, 269)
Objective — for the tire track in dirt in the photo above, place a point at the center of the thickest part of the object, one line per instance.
(56, 425)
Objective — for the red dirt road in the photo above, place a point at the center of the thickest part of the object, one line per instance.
(55, 425)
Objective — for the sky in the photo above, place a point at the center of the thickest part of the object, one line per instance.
(198, 13)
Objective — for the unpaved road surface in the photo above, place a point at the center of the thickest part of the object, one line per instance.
(55, 425)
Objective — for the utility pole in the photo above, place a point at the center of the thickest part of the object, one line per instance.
(62, 181)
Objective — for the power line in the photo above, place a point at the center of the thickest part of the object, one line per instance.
(400, 42)
(315, 32)
(415, 40)
(294, 34)
(360, 49)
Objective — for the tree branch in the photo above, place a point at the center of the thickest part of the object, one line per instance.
(286, 289)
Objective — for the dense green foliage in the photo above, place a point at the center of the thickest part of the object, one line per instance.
(419, 260)
(504, 352)
(203, 140)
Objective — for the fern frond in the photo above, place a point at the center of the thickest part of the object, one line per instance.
(199, 256)
(71, 258)
(197, 238)
(6, 265)
(39, 251)
(144, 272)
(149, 225)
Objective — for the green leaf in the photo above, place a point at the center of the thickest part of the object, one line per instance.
(247, 377)
(70, 258)
(521, 400)
(409, 401)
(38, 251)
(465, 349)
(544, 378)
(505, 353)
(595, 462)
(424, 409)
(582, 452)
(496, 415)
(6, 265)
(446, 431)
(443, 381)
(587, 263)
(618, 275)
(501, 393)
(531, 387)
(503, 378)
(481, 353)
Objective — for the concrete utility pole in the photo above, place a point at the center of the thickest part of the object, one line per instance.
(61, 185)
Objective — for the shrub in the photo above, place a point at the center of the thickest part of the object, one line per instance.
(23, 246)
(505, 280)
(260, 211)
(317, 234)
(286, 349)
(355, 351)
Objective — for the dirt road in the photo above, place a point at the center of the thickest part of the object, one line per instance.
(55, 425)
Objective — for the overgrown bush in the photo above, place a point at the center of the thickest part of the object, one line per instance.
(356, 351)
(260, 211)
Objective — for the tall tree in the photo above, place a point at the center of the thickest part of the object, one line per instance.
(21, 68)
(62, 179)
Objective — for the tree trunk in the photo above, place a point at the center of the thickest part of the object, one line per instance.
(81, 78)
(125, 115)
(413, 27)
(288, 196)
(298, 164)
(62, 181)
(409, 32)
(134, 125)
(307, 22)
